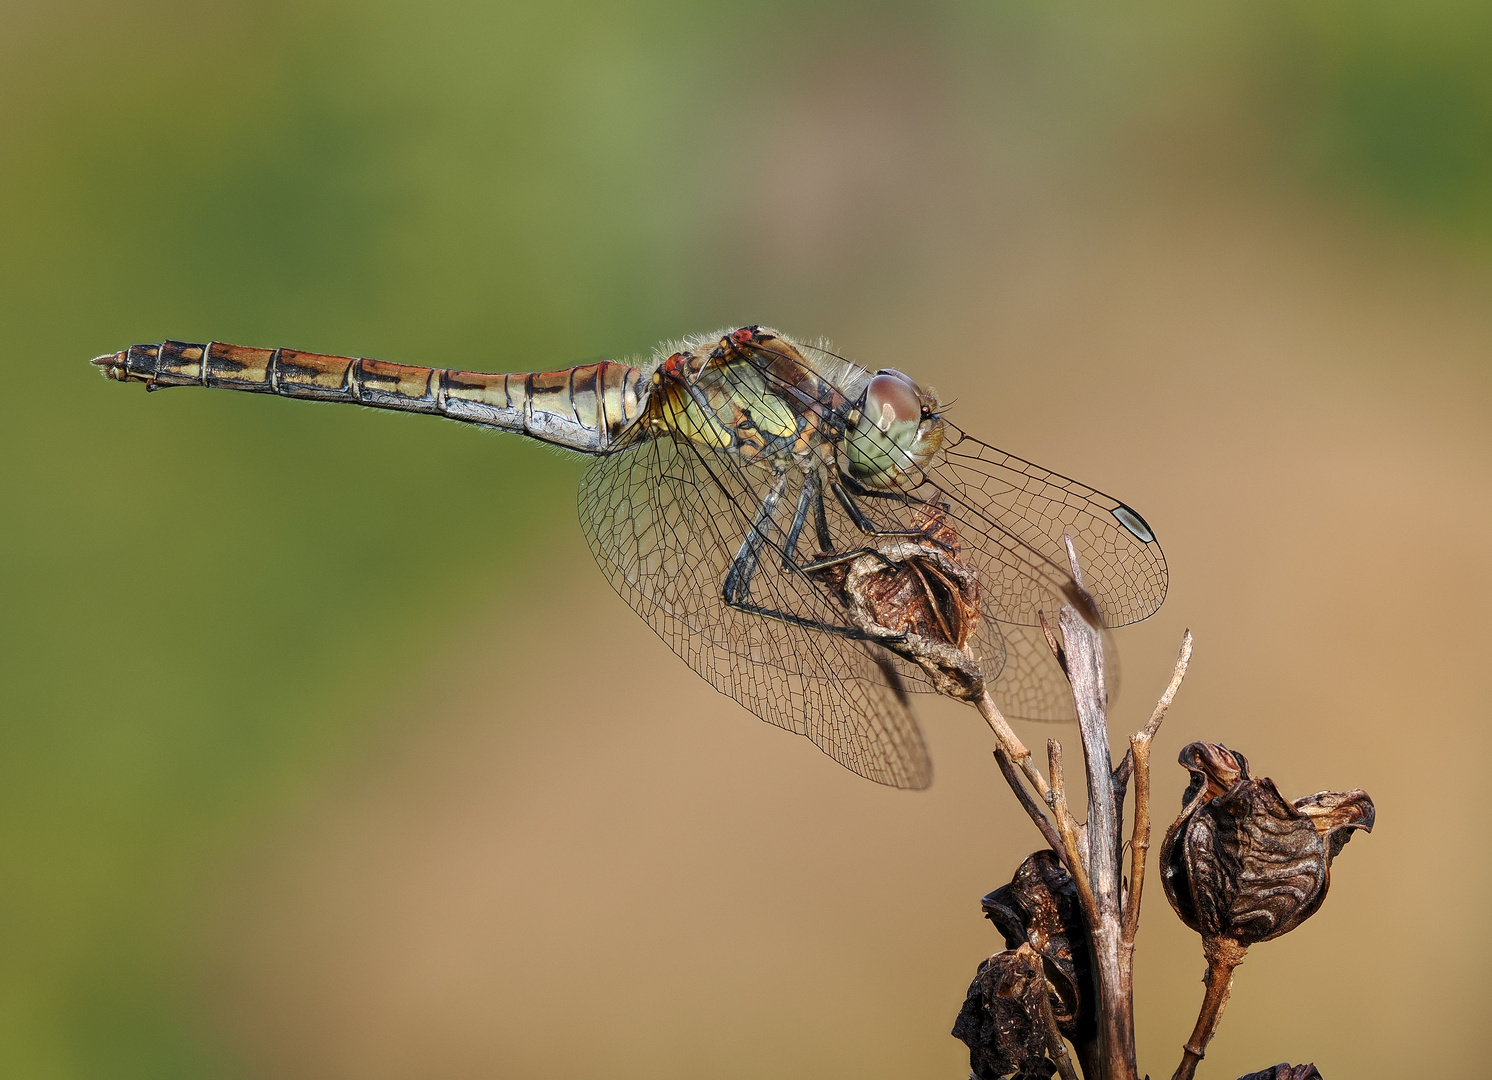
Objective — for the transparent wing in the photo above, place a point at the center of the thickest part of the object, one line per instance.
(1031, 685)
(1015, 513)
(667, 520)
(1011, 518)
(1021, 512)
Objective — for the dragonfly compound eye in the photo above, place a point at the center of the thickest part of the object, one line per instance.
(896, 434)
(892, 398)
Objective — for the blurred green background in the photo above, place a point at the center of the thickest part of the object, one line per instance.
(298, 777)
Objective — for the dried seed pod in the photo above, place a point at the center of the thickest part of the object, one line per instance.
(1285, 1071)
(1337, 815)
(917, 598)
(1040, 908)
(1243, 863)
(1001, 1022)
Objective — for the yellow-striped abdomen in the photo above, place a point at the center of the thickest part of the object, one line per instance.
(584, 408)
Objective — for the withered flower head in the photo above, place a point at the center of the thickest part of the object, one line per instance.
(1285, 1071)
(1040, 908)
(1242, 863)
(1001, 1022)
(916, 597)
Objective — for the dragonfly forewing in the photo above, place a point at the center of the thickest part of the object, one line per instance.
(1023, 512)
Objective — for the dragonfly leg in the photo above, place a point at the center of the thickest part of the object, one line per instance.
(736, 589)
(737, 585)
(840, 558)
(820, 518)
(809, 624)
(856, 488)
(800, 518)
(862, 522)
(813, 498)
(814, 493)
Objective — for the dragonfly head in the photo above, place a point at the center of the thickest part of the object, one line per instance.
(898, 430)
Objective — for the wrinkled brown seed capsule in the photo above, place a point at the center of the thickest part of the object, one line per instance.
(917, 599)
(1000, 1021)
(1243, 863)
(1285, 1071)
(1040, 908)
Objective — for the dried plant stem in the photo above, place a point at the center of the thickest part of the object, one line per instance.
(1183, 658)
(1083, 647)
(1068, 840)
(1028, 802)
(1010, 742)
(1223, 956)
(1139, 845)
(1067, 825)
(1056, 1048)
(1139, 756)
(1093, 851)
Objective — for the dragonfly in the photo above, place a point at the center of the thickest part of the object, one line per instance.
(730, 473)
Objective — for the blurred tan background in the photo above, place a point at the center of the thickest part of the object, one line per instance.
(328, 753)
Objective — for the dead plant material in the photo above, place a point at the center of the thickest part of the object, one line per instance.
(1285, 1071)
(1242, 865)
(1001, 1019)
(914, 596)
(1040, 908)
(1240, 861)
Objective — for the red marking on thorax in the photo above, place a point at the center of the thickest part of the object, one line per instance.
(683, 366)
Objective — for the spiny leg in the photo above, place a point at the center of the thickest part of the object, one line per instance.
(820, 518)
(800, 518)
(812, 624)
(858, 516)
(737, 585)
(855, 487)
(813, 498)
(736, 589)
(862, 521)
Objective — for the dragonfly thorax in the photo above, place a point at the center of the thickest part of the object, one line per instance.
(754, 394)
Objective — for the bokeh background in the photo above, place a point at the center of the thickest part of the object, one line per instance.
(328, 753)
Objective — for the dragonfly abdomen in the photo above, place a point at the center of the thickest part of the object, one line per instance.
(584, 408)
